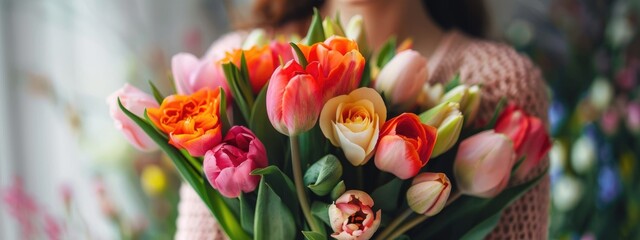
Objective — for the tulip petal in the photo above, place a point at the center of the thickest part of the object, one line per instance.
(354, 153)
(396, 156)
(182, 65)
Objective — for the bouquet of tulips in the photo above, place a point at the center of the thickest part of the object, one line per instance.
(316, 139)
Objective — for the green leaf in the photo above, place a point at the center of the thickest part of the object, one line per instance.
(309, 235)
(494, 119)
(301, 58)
(246, 214)
(366, 74)
(463, 215)
(262, 128)
(273, 220)
(387, 52)
(211, 198)
(321, 211)
(223, 112)
(156, 94)
(232, 75)
(323, 175)
(386, 196)
(454, 82)
(338, 190)
(483, 229)
(282, 185)
(316, 32)
(245, 82)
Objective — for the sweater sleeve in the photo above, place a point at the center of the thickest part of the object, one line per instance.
(194, 220)
(505, 73)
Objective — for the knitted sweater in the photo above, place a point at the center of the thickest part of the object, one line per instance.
(503, 73)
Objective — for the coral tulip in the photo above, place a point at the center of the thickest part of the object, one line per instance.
(351, 216)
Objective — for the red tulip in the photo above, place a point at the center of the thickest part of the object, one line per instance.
(529, 136)
(405, 145)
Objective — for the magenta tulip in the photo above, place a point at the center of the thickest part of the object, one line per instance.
(228, 165)
(483, 164)
(135, 101)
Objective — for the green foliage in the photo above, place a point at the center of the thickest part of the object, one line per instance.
(323, 175)
(273, 219)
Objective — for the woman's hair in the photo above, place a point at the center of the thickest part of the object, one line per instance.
(469, 16)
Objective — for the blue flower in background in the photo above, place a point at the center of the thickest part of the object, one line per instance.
(608, 185)
(557, 113)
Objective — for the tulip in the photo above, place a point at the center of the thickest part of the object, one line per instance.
(192, 122)
(402, 78)
(338, 61)
(332, 27)
(257, 37)
(228, 165)
(482, 166)
(469, 99)
(448, 119)
(260, 63)
(352, 122)
(191, 74)
(529, 136)
(351, 216)
(404, 146)
(135, 101)
(293, 100)
(355, 31)
(429, 193)
(430, 96)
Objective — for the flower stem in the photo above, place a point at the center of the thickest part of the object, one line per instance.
(395, 223)
(414, 222)
(300, 190)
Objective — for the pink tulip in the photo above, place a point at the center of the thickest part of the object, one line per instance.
(483, 164)
(351, 216)
(402, 78)
(228, 165)
(529, 136)
(294, 99)
(191, 74)
(135, 101)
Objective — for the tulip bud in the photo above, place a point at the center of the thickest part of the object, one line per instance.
(323, 175)
(355, 31)
(257, 37)
(430, 96)
(332, 27)
(448, 119)
(429, 193)
(472, 104)
(483, 164)
(457, 94)
(402, 78)
(351, 216)
(135, 101)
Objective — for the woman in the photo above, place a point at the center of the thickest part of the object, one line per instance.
(441, 31)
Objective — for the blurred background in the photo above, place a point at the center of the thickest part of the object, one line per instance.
(64, 166)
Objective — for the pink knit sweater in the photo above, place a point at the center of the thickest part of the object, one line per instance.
(502, 72)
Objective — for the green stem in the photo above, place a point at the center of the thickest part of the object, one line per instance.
(300, 189)
(414, 222)
(395, 223)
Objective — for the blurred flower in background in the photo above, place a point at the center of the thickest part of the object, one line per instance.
(589, 51)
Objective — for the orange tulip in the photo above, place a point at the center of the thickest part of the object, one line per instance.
(191, 121)
(261, 61)
(340, 63)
